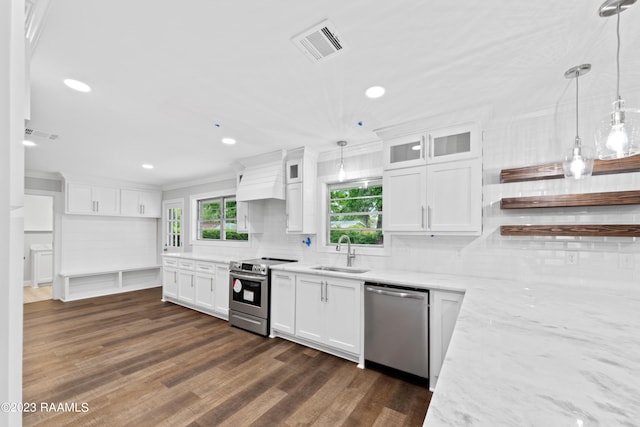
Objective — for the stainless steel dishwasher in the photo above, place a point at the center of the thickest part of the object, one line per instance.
(397, 327)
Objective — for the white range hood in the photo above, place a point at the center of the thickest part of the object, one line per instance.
(262, 177)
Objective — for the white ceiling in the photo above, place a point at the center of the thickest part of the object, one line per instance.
(164, 72)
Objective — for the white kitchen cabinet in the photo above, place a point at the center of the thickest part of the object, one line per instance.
(222, 290)
(405, 199)
(405, 151)
(283, 302)
(328, 312)
(294, 208)
(197, 284)
(186, 281)
(301, 192)
(454, 197)
(92, 200)
(249, 216)
(342, 314)
(141, 203)
(205, 283)
(169, 282)
(294, 170)
(445, 306)
(204, 290)
(454, 143)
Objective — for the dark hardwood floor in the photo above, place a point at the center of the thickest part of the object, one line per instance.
(131, 359)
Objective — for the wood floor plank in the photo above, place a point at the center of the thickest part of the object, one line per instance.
(135, 360)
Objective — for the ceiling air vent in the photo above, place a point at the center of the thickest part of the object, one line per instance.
(39, 134)
(319, 42)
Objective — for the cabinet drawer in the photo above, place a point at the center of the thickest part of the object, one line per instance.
(186, 264)
(205, 267)
(170, 262)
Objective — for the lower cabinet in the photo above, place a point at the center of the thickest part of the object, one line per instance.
(197, 284)
(445, 306)
(222, 290)
(169, 282)
(318, 309)
(186, 278)
(205, 290)
(283, 301)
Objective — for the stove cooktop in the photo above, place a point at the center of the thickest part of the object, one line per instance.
(257, 265)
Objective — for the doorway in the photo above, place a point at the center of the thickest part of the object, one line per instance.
(38, 256)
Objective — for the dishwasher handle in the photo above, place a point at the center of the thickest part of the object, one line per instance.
(394, 294)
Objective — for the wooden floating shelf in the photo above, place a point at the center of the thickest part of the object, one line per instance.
(588, 230)
(554, 170)
(572, 200)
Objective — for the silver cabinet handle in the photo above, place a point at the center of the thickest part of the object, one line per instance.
(326, 291)
(321, 290)
(143, 209)
(422, 146)
(422, 216)
(394, 294)
(211, 284)
(175, 276)
(429, 217)
(245, 222)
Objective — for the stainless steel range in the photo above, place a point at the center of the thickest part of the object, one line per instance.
(250, 295)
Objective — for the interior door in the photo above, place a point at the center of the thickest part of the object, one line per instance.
(172, 235)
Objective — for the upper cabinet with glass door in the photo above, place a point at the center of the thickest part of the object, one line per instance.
(405, 151)
(454, 143)
(434, 146)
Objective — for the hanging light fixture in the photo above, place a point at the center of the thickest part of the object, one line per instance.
(578, 162)
(618, 134)
(341, 173)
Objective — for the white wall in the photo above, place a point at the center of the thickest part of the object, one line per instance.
(12, 84)
(100, 243)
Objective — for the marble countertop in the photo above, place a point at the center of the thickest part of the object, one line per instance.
(525, 353)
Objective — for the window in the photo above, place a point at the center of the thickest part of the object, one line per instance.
(355, 209)
(217, 220)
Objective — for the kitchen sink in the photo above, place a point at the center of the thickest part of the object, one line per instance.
(340, 269)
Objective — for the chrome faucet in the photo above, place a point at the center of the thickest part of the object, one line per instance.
(350, 255)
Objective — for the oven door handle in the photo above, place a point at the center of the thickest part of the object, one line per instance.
(235, 275)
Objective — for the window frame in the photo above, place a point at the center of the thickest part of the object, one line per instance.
(323, 210)
(328, 214)
(194, 215)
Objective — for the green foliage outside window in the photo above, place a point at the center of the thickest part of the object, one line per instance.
(212, 219)
(355, 209)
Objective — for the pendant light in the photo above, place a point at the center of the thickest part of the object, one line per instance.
(341, 172)
(618, 134)
(578, 162)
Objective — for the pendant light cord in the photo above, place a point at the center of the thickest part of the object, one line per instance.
(618, 55)
(577, 94)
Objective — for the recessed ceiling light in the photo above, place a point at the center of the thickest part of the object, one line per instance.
(77, 85)
(28, 143)
(228, 141)
(147, 166)
(374, 92)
